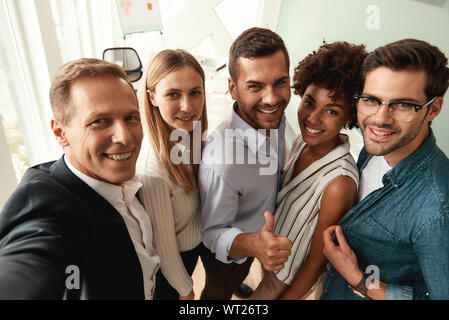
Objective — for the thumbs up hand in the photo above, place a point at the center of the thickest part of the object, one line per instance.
(271, 250)
(269, 222)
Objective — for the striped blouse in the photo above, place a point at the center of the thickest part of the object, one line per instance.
(298, 201)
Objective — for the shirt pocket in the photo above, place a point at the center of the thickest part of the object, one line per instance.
(382, 230)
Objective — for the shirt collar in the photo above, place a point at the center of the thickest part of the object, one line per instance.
(253, 141)
(111, 192)
(407, 167)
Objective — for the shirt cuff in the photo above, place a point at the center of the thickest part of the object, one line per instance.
(395, 292)
(224, 246)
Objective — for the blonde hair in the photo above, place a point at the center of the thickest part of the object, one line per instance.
(160, 66)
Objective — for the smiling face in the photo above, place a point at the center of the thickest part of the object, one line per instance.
(391, 138)
(103, 138)
(180, 98)
(321, 118)
(262, 90)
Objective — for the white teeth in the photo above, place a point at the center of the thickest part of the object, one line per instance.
(186, 119)
(313, 130)
(268, 111)
(379, 133)
(119, 156)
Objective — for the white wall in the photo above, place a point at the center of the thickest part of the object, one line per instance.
(304, 24)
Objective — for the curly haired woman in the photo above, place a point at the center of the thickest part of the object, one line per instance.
(320, 178)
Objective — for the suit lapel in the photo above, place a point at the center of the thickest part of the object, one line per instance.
(62, 173)
(99, 209)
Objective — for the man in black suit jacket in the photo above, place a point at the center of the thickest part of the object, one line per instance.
(59, 237)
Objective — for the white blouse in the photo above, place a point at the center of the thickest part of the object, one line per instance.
(175, 218)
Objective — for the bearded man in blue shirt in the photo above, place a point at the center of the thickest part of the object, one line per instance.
(400, 227)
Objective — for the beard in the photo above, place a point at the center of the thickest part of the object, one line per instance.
(255, 119)
(381, 149)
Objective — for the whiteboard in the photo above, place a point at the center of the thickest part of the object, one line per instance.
(139, 15)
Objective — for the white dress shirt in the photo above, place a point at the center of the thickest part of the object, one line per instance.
(123, 199)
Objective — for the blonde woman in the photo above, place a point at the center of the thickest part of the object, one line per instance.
(173, 98)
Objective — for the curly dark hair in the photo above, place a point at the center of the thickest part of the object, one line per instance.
(336, 67)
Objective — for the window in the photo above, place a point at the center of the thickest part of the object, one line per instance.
(237, 15)
(10, 123)
(67, 16)
(10, 98)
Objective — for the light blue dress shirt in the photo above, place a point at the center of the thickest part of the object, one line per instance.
(238, 182)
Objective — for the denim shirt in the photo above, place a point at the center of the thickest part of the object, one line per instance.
(402, 229)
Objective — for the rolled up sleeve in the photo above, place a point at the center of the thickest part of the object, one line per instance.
(395, 292)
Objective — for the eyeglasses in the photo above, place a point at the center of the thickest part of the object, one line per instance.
(401, 111)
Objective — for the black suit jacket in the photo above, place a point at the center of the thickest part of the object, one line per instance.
(54, 220)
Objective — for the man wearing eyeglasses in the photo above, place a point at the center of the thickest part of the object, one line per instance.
(399, 230)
